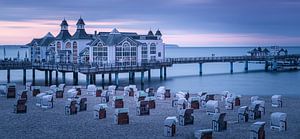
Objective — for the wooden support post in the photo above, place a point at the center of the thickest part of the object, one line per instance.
(133, 77)
(64, 77)
(46, 77)
(8, 75)
(24, 76)
(266, 66)
(129, 77)
(165, 72)
(149, 75)
(200, 69)
(117, 79)
(56, 77)
(91, 79)
(103, 81)
(246, 66)
(142, 78)
(50, 77)
(231, 67)
(75, 78)
(161, 73)
(87, 79)
(109, 78)
(33, 76)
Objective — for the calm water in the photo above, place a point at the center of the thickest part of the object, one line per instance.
(216, 77)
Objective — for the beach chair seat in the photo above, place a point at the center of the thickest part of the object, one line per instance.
(257, 130)
(91, 89)
(140, 95)
(150, 92)
(11, 90)
(243, 114)
(229, 103)
(112, 89)
(47, 102)
(118, 102)
(81, 104)
(28, 86)
(20, 106)
(142, 108)
(254, 112)
(186, 117)
(168, 93)
(23, 94)
(276, 101)
(151, 102)
(254, 98)
(132, 90)
(3, 89)
(71, 107)
(39, 99)
(98, 92)
(71, 93)
(279, 121)
(237, 101)
(194, 102)
(218, 122)
(212, 107)
(170, 126)
(160, 92)
(61, 87)
(36, 90)
(121, 116)
(182, 104)
(78, 89)
(100, 111)
(104, 97)
(203, 134)
(261, 105)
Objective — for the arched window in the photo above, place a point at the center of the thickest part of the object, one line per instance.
(152, 48)
(75, 52)
(100, 53)
(144, 53)
(58, 45)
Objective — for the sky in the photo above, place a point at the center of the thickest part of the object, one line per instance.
(183, 22)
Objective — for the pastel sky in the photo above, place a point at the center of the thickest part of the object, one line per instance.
(182, 22)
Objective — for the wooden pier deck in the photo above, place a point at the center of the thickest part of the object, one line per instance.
(91, 70)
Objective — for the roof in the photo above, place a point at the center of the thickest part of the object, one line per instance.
(113, 39)
(63, 35)
(64, 23)
(158, 33)
(150, 33)
(45, 41)
(81, 34)
(80, 22)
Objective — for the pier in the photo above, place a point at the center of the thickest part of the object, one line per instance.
(92, 70)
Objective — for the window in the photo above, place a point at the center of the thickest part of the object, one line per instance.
(159, 54)
(58, 45)
(100, 53)
(152, 48)
(68, 45)
(144, 53)
(75, 52)
(126, 54)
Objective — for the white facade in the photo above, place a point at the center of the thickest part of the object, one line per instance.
(104, 48)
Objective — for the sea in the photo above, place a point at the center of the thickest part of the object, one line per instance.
(216, 77)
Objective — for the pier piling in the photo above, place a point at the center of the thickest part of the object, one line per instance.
(161, 73)
(64, 77)
(200, 69)
(24, 76)
(165, 72)
(56, 77)
(246, 66)
(33, 76)
(46, 77)
(149, 75)
(87, 79)
(142, 78)
(109, 78)
(103, 81)
(231, 67)
(50, 77)
(8, 75)
(117, 79)
(75, 78)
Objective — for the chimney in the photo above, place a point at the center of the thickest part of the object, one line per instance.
(95, 33)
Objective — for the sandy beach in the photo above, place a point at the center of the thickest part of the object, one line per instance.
(53, 123)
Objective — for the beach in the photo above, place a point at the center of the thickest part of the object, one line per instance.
(53, 123)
